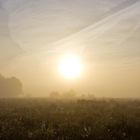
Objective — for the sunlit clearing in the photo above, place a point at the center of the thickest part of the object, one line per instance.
(70, 66)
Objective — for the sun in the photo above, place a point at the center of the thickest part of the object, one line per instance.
(70, 66)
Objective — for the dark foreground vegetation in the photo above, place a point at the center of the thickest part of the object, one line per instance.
(42, 119)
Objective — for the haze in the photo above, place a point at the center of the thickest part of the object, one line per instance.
(105, 35)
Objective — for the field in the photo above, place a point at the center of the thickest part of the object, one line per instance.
(44, 119)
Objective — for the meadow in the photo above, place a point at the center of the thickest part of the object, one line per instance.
(45, 119)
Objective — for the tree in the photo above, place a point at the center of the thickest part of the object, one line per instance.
(54, 95)
(10, 87)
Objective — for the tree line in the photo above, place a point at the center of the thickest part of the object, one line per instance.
(10, 87)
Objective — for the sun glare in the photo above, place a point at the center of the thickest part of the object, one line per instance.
(70, 66)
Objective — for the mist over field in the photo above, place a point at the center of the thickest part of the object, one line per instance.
(69, 69)
(34, 35)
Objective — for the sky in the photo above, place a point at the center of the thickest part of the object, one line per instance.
(105, 34)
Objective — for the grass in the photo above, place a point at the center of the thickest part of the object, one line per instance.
(44, 119)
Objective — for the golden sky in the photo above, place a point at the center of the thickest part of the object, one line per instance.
(104, 34)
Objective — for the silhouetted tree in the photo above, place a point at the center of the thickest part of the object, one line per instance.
(69, 95)
(10, 87)
(54, 95)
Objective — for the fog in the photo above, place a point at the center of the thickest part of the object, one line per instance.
(105, 34)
